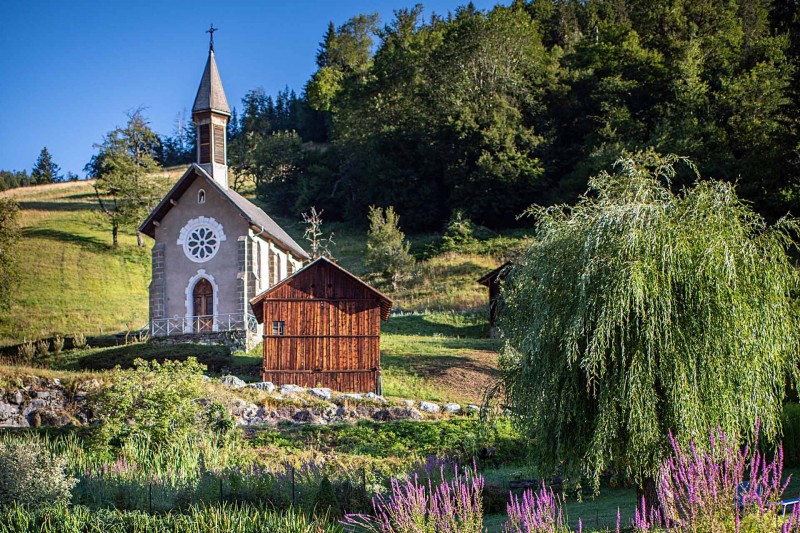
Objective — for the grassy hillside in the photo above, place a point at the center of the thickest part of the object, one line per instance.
(73, 280)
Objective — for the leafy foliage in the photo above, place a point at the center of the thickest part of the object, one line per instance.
(489, 112)
(387, 250)
(31, 475)
(154, 401)
(640, 311)
(125, 189)
(9, 235)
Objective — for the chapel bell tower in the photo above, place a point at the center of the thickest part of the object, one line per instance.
(211, 113)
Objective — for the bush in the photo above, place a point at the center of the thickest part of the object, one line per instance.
(535, 512)
(31, 475)
(158, 402)
(79, 341)
(42, 348)
(26, 351)
(454, 505)
(58, 344)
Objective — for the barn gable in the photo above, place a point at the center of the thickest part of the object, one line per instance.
(322, 279)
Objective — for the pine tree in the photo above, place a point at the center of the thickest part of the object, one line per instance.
(45, 170)
(387, 250)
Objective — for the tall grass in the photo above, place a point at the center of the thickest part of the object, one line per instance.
(197, 519)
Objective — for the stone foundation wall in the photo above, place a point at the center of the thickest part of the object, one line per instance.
(237, 339)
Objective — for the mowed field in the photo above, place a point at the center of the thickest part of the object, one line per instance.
(72, 280)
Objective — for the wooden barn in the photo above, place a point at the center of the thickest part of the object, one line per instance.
(493, 280)
(322, 328)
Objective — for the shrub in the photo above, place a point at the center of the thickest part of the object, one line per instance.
(452, 505)
(42, 348)
(58, 344)
(721, 488)
(79, 341)
(31, 475)
(535, 512)
(26, 351)
(155, 401)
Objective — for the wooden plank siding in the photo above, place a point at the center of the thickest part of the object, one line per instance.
(331, 330)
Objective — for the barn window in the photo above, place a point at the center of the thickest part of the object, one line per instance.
(277, 328)
(201, 196)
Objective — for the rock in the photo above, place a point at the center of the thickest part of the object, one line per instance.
(473, 407)
(374, 397)
(33, 405)
(321, 392)
(307, 415)
(53, 418)
(16, 397)
(42, 394)
(452, 408)
(232, 381)
(404, 413)
(408, 403)
(206, 378)
(264, 385)
(89, 385)
(7, 411)
(351, 396)
(292, 389)
(428, 407)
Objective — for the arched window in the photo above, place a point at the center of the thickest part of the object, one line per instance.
(201, 196)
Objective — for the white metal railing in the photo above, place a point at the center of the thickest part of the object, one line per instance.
(164, 327)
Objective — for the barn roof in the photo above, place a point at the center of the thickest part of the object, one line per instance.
(385, 301)
(246, 208)
(499, 272)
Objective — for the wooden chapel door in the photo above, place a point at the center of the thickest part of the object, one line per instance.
(203, 306)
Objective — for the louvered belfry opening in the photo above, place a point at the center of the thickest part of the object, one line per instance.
(204, 135)
(219, 144)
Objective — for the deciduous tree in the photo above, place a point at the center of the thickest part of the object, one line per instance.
(9, 235)
(126, 187)
(640, 311)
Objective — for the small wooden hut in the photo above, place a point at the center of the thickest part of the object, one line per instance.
(322, 328)
(493, 280)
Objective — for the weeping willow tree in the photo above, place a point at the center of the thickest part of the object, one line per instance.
(639, 311)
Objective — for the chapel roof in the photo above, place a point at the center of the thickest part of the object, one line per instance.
(254, 214)
(210, 94)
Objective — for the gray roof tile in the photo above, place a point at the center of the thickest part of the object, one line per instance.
(210, 94)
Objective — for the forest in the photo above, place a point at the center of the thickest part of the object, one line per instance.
(490, 112)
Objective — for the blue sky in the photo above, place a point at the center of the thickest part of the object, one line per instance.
(69, 70)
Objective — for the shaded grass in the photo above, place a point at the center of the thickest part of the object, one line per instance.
(215, 357)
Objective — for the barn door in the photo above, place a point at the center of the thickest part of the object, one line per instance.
(203, 306)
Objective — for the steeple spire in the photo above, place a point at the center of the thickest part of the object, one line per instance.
(211, 113)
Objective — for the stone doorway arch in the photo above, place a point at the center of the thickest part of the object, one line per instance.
(203, 300)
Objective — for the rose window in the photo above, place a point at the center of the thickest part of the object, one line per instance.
(202, 243)
(201, 239)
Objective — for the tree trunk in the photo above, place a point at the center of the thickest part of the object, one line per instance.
(139, 240)
(648, 491)
(114, 231)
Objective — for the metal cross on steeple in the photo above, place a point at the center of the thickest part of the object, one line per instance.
(211, 31)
